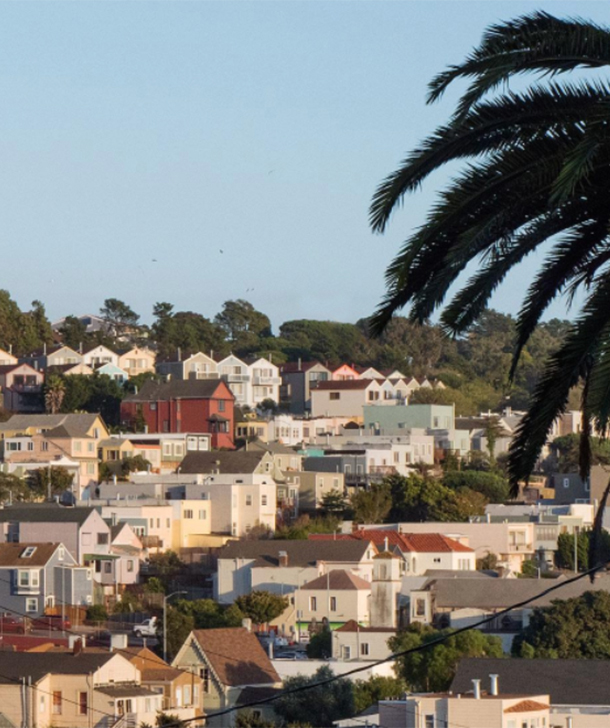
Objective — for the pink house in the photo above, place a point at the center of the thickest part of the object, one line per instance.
(21, 388)
(344, 373)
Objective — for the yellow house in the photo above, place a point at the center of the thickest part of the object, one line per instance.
(137, 361)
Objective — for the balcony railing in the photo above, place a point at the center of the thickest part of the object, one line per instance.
(235, 377)
(265, 380)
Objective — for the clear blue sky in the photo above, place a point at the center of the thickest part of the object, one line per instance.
(133, 131)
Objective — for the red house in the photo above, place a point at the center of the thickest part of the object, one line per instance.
(183, 405)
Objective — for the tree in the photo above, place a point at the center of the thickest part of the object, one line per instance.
(433, 669)
(492, 485)
(119, 317)
(135, 464)
(59, 477)
(243, 325)
(370, 692)
(97, 393)
(13, 488)
(333, 503)
(73, 332)
(564, 556)
(534, 174)
(489, 562)
(262, 607)
(373, 505)
(268, 405)
(208, 614)
(250, 719)
(54, 393)
(320, 645)
(332, 701)
(179, 626)
(569, 628)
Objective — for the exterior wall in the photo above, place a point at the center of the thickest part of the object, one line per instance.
(156, 520)
(94, 537)
(62, 356)
(236, 374)
(114, 372)
(362, 645)
(66, 533)
(349, 403)
(7, 359)
(311, 487)
(199, 366)
(426, 416)
(350, 604)
(420, 562)
(137, 361)
(99, 356)
(264, 382)
(296, 387)
(344, 373)
(191, 521)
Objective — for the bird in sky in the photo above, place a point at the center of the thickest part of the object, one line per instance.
(221, 250)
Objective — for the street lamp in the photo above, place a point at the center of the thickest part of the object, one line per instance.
(165, 599)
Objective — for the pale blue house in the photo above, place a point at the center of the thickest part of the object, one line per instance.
(114, 372)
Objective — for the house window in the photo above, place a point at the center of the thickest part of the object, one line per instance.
(90, 468)
(347, 652)
(313, 604)
(188, 513)
(102, 539)
(108, 567)
(130, 565)
(31, 605)
(44, 446)
(335, 395)
(56, 702)
(203, 515)
(187, 694)
(420, 607)
(566, 482)
(333, 604)
(29, 578)
(364, 649)
(61, 553)
(429, 721)
(221, 405)
(263, 500)
(28, 552)
(205, 675)
(248, 500)
(41, 704)
(30, 446)
(153, 406)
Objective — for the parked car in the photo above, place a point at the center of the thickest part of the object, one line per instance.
(290, 655)
(51, 621)
(11, 625)
(148, 628)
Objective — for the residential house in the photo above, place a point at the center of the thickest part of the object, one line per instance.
(236, 374)
(112, 451)
(229, 661)
(249, 425)
(470, 710)
(137, 360)
(298, 379)
(345, 373)
(113, 371)
(7, 359)
(283, 566)
(45, 358)
(182, 690)
(419, 552)
(260, 462)
(164, 450)
(513, 543)
(78, 689)
(90, 425)
(91, 321)
(304, 490)
(98, 356)
(191, 366)
(21, 388)
(82, 530)
(344, 398)
(286, 459)
(369, 373)
(333, 598)
(128, 550)
(150, 520)
(353, 641)
(68, 370)
(444, 602)
(578, 698)
(265, 381)
(184, 406)
(35, 576)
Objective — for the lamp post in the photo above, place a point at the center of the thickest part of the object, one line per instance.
(165, 600)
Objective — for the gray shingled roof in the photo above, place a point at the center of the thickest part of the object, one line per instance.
(221, 461)
(176, 388)
(300, 553)
(568, 682)
(44, 513)
(500, 593)
(78, 424)
(14, 665)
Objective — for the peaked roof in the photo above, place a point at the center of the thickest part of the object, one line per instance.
(179, 389)
(222, 461)
(275, 448)
(13, 554)
(14, 665)
(338, 580)
(45, 513)
(295, 366)
(236, 656)
(527, 706)
(79, 423)
(568, 682)
(352, 626)
(299, 553)
(433, 543)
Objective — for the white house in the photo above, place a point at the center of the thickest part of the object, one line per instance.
(98, 356)
(345, 398)
(335, 597)
(265, 381)
(236, 374)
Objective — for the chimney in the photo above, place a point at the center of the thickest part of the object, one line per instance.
(44, 348)
(494, 684)
(385, 544)
(299, 363)
(211, 353)
(179, 354)
(476, 688)
(118, 642)
(10, 349)
(80, 347)
(283, 558)
(246, 623)
(77, 645)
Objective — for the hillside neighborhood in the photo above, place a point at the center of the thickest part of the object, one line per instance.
(245, 526)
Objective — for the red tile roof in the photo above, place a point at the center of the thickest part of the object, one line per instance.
(406, 542)
(527, 706)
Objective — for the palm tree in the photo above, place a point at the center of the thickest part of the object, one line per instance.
(536, 173)
(54, 393)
